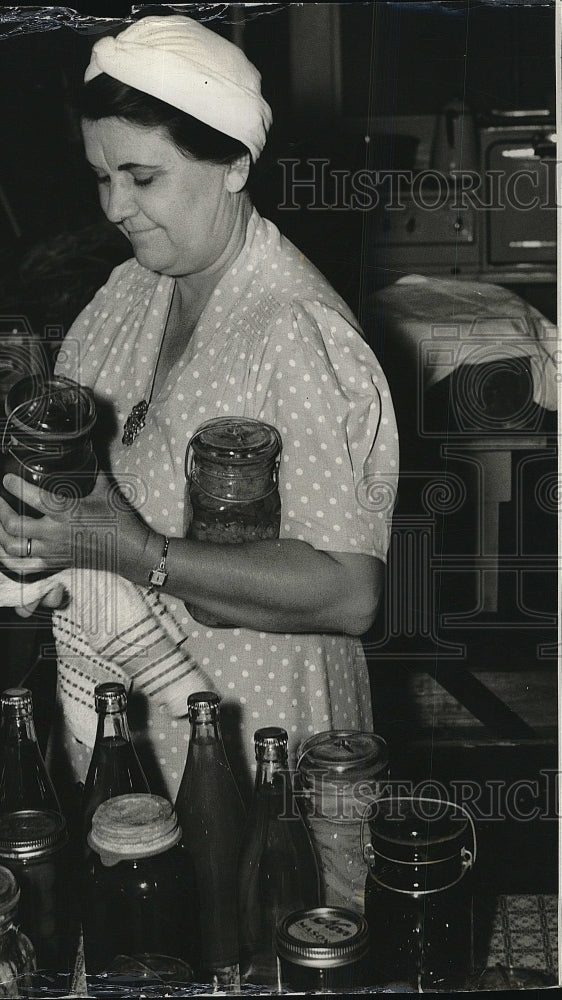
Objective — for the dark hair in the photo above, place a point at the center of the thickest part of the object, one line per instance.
(105, 97)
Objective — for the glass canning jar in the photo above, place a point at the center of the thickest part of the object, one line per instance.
(322, 950)
(232, 468)
(140, 905)
(418, 895)
(339, 773)
(34, 846)
(17, 955)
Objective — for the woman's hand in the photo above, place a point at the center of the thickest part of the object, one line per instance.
(100, 531)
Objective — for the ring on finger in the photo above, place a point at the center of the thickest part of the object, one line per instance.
(28, 549)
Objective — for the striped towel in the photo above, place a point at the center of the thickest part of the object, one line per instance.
(113, 630)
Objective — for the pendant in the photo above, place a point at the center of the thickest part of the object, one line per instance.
(134, 422)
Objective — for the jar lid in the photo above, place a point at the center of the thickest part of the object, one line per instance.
(16, 700)
(136, 825)
(30, 834)
(236, 440)
(110, 697)
(9, 892)
(50, 407)
(322, 937)
(414, 829)
(343, 754)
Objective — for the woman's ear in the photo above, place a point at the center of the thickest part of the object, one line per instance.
(237, 173)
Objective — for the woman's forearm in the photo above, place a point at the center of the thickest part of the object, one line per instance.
(279, 585)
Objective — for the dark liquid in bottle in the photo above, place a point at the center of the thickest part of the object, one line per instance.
(115, 772)
(22, 777)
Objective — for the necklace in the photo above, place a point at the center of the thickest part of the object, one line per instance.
(137, 417)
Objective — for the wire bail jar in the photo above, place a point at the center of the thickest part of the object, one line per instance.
(232, 466)
(418, 895)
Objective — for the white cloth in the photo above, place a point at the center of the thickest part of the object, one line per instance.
(441, 323)
(180, 61)
(16, 593)
(134, 641)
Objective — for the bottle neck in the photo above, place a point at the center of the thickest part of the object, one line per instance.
(205, 728)
(113, 725)
(273, 776)
(18, 726)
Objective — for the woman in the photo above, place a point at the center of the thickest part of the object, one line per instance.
(216, 313)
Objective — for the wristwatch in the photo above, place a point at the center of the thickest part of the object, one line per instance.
(158, 576)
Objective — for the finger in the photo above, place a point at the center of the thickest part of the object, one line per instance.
(24, 491)
(55, 597)
(28, 610)
(21, 564)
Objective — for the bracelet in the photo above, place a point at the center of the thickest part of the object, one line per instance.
(158, 576)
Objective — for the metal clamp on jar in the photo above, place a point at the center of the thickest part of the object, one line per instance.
(418, 896)
(232, 466)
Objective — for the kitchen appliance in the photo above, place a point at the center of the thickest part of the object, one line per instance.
(518, 167)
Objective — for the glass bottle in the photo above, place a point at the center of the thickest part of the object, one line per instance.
(24, 781)
(212, 817)
(114, 766)
(17, 955)
(278, 870)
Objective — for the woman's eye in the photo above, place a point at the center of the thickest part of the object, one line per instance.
(143, 181)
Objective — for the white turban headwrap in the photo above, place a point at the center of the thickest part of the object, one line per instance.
(179, 61)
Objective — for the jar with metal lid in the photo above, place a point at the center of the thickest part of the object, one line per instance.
(232, 474)
(339, 773)
(47, 436)
(34, 847)
(140, 904)
(418, 896)
(322, 950)
(17, 955)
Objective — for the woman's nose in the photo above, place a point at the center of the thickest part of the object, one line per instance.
(119, 202)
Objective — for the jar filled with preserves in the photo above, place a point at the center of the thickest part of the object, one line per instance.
(17, 955)
(418, 896)
(322, 950)
(47, 435)
(339, 773)
(34, 847)
(140, 904)
(232, 468)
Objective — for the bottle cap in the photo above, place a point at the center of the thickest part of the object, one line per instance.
(133, 826)
(322, 937)
(110, 697)
(205, 702)
(271, 743)
(9, 892)
(30, 834)
(16, 700)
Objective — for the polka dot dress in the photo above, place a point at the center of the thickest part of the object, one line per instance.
(276, 343)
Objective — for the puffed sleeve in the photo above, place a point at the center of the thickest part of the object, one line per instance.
(320, 384)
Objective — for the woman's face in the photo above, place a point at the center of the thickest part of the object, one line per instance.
(177, 212)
